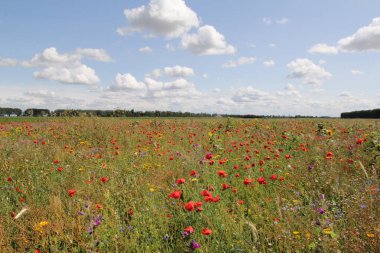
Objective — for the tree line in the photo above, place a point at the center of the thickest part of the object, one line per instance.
(37, 112)
(366, 114)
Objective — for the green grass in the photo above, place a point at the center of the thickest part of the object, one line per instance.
(315, 204)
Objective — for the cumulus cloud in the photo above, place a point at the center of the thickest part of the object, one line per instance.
(269, 63)
(7, 62)
(97, 54)
(323, 49)
(238, 62)
(151, 88)
(64, 68)
(308, 71)
(127, 82)
(366, 38)
(206, 41)
(175, 71)
(250, 94)
(145, 50)
(169, 18)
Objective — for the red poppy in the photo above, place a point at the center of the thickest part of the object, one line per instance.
(208, 156)
(222, 173)
(189, 229)
(240, 202)
(273, 177)
(359, 141)
(225, 186)
(193, 173)
(175, 194)
(247, 181)
(60, 169)
(206, 193)
(104, 179)
(9, 179)
(206, 231)
(190, 206)
(329, 155)
(56, 161)
(181, 181)
(261, 180)
(71, 192)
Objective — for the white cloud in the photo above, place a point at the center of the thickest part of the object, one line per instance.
(357, 72)
(250, 94)
(97, 54)
(126, 82)
(41, 94)
(290, 91)
(366, 38)
(145, 50)
(80, 74)
(169, 18)
(175, 71)
(308, 71)
(269, 63)
(64, 68)
(272, 45)
(207, 41)
(323, 49)
(239, 62)
(7, 62)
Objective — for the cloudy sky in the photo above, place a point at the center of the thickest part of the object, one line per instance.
(218, 56)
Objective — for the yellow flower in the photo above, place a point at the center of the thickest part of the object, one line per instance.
(370, 235)
(40, 226)
(329, 132)
(194, 179)
(151, 189)
(327, 231)
(296, 232)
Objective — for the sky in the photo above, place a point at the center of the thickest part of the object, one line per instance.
(266, 57)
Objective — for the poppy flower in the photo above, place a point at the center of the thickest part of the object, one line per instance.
(206, 231)
(208, 156)
(189, 229)
(104, 179)
(175, 194)
(273, 177)
(193, 173)
(190, 206)
(329, 155)
(359, 141)
(206, 193)
(261, 180)
(60, 169)
(9, 179)
(181, 181)
(222, 173)
(71, 192)
(247, 181)
(225, 186)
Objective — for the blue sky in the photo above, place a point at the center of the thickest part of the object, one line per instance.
(246, 56)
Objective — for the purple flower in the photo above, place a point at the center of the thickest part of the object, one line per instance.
(321, 210)
(184, 234)
(194, 245)
(310, 167)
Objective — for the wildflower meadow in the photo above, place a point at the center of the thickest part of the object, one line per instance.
(189, 185)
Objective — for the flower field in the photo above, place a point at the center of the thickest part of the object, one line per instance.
(184, 185)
